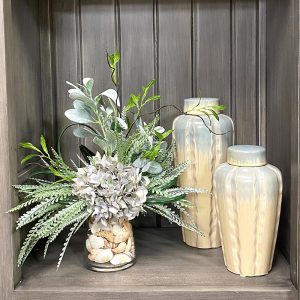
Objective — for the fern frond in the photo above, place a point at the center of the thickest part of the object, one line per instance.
(51, 225)
(66, 245)
(178, 191)
(181, 206)
(73, 219)
(30, 240)
(172, 217)
(166, 156)
(37, 212)
(162, 181)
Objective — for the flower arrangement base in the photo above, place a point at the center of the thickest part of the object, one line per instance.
(110, 248)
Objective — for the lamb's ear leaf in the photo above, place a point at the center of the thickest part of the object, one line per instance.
(88, 83)
(152, 167)
(83, 132)
(101, 143)
(78, 115)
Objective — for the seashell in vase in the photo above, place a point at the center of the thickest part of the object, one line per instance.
(111, 249)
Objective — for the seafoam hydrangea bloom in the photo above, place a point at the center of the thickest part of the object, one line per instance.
(112, 190)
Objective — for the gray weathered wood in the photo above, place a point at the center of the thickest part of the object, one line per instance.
(283, 124)
(26, 78)
(137, 59)
(281, 87)
(47, 71)
(137, 46)
(7, 131)
(174, 59)
(165, 269)
(98, 36)
(263, 89)
(212, 50)
(20, 115)
(244, 80)
(67, 61)
(261, 71)
(174, 56)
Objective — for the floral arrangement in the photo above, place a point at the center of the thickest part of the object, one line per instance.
(131, 173)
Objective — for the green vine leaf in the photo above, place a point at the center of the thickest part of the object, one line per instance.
(27, 158)
(27, 145)
(44, 145)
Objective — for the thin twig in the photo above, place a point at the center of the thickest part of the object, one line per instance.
(182, 112)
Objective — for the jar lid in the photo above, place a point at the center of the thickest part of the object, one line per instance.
(246, 155)
(192, 105)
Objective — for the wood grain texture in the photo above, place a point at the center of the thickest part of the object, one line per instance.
(174, 59)
(98, 37)
(67, 51)
(6, 256)
(160, 256)
(137, 46)
(261, 71)
(177, 37)
(212, 57)
(26, 78)
(47, 72)
(137, 60)
(20, 117)
(244, 73)
(295, 159)
(174, 56)
(281, 87)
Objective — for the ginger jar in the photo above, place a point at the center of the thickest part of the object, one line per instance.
(248, 194)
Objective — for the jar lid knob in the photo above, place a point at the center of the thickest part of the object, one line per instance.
(246, 156)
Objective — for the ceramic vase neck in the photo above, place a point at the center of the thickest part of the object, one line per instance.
(193, 106)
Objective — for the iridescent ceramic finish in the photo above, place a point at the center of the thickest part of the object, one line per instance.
(248, 193)
(205, 150)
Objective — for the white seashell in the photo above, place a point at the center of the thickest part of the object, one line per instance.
(108, 235)
(96, 241)
(128, 245)
(116, 229)
(122, 236)
(104, 256)
(120, 248)
(91, 257)
(88, 245)
(129, 254)
(120, 259)
(95, 252)
(106, 228)
(94, 228)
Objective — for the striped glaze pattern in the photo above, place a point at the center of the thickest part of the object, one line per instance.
(205, 151)
(248, 206)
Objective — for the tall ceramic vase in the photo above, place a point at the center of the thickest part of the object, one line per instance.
(205, 151)
(248, 194)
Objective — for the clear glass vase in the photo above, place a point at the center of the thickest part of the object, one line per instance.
(110, 248)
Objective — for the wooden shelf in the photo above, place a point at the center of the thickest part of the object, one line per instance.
(166, 268)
